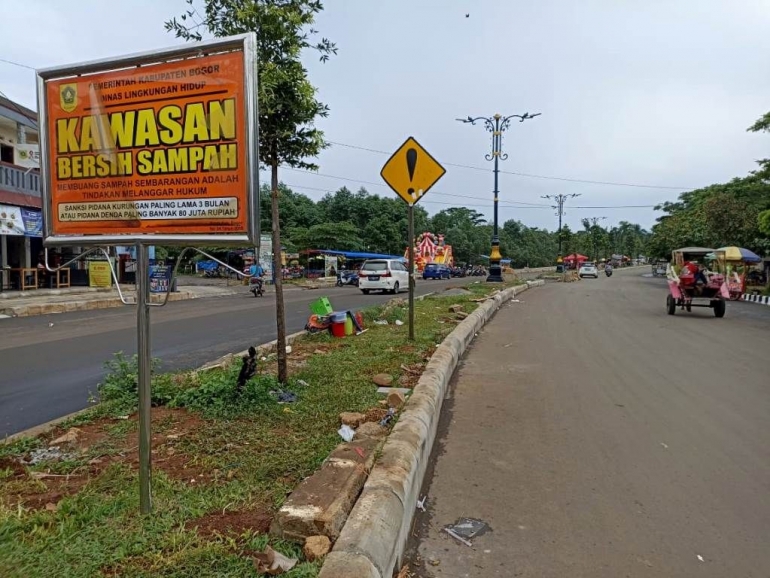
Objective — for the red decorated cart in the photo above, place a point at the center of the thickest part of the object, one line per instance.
(691, 284)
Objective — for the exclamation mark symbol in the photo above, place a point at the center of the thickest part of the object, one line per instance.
(411, 165)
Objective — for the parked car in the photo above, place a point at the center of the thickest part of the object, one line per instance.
(588, 269)
(436, 271)
(386, 275)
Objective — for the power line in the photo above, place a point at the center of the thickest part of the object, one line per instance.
(384, 185)
(485, 205)
(469, 167)
(531, 175)
(16, 64)
(512, 204)
(423, 201)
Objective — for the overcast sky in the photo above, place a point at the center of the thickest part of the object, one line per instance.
(655, 92)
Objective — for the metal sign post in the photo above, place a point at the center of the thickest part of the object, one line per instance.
(144, 356)
(410, 234)
(411, 171)
(158, 148)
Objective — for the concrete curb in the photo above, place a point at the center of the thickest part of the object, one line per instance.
(760, 299)
(43, 428)
(373, 539)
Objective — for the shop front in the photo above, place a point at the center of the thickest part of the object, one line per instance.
(20, 245)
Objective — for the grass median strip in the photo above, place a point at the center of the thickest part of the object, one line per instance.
(223, 460)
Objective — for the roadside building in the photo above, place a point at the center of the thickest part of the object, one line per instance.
(20, 192)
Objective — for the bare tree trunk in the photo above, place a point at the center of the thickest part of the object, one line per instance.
(283, 373)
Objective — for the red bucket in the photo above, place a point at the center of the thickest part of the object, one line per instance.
(338, 329)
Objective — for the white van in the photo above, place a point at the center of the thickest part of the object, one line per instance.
(387, 275)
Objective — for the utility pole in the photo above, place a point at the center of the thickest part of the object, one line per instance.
(559, 206)
(496, 125)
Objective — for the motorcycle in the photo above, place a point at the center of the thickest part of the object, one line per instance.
(256, 286)
(347, 278)
(608, 272)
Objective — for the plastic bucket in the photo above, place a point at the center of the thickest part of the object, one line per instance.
(348, 325)
(338, 329)
(338, 317)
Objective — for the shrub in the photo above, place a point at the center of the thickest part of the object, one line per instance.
(217, 393)
(121, 384)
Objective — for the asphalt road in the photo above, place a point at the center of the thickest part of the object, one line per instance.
(600, 437)
(48, 372)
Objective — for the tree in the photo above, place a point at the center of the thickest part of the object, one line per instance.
(762, 125)
(764, 223)
(596, 237)
(730, 221)
(455, 216)
(337, 236)
(288, 106)
(528, 247)
(714, 216)
(381, 235)
(567, 240)
(295, 209)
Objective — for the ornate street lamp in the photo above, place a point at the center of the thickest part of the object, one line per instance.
(496, 125)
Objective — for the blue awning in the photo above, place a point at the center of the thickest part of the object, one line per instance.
(357, 255)
(503, 261)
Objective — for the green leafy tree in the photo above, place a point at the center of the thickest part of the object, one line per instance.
(762, 125)
(338, 236)
(596, 239)
(288, 107)
(567, 240)
(764, 223)
(714, 216)
(381, 235)
(455, 216)
(528, 247)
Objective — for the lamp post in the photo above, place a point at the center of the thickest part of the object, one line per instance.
(559, 206)
(496, 125)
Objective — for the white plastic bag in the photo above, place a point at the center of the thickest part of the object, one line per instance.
(346, 432)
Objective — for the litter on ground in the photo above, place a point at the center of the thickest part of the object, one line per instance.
(465, 529)
(273, 563)
(346, 433)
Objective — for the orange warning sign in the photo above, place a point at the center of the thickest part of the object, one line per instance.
(152, 150)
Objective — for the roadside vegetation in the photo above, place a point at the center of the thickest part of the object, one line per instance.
(732, 213)
(223, 460)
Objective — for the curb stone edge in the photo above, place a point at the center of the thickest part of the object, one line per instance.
(376, 532)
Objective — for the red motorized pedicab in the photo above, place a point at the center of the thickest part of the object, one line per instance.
(691, 284)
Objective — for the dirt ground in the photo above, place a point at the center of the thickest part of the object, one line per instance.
(96, 446)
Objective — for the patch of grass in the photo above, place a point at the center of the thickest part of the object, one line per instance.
(217, 394)
(246, 452)
(19, 447)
